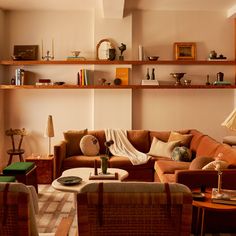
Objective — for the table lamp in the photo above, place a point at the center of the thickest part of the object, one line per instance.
(230, 123)
(49, 132)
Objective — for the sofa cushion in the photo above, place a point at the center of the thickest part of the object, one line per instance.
(212, 165)
(80, 161)
(197, 136)
(124, 162)
(100, 135)
(183, 138)
(207, 147)
(159, 148)
(73, 138)
(139, 139)
(229, 154)
(169, 166)
(181, 154)
(89, 145)
(200, 162)
(164, 135)
(161, 135)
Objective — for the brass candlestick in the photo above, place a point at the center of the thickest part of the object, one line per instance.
(48, 57)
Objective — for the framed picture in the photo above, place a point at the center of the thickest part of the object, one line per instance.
(25, 52)
(184, 51)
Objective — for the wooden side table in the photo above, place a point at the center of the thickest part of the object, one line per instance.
(45, 168)
(207, 205)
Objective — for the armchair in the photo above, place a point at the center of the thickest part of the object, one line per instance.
(17, 212)
(132, 208)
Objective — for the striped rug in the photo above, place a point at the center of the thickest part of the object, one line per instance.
(53, 205)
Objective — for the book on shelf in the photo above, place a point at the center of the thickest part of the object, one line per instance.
(84, 78)
(76, 58)
(149, 82)
(123, 74)
(226, 196)
(222, 83)
(100, 176)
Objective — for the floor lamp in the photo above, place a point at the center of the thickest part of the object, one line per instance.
(49, 132)
(230, 123)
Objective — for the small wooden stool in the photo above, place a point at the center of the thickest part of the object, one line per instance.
(230, 140)
(24, 172)
(16, 151)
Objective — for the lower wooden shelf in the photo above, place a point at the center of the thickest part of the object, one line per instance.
(117, 87)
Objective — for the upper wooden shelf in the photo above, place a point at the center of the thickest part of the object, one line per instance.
(107, 62)
(66, 86)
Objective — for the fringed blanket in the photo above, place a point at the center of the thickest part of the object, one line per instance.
(123, 147)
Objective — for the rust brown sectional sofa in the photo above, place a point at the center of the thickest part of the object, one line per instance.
(158, 168)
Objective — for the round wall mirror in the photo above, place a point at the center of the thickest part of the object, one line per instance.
(103, 49)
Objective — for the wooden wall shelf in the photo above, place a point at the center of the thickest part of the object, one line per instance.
(106, 62)
(13, 87)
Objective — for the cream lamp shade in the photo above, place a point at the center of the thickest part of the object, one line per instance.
(230, 121)
(49, 132)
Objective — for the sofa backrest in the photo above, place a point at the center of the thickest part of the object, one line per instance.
(229, 154)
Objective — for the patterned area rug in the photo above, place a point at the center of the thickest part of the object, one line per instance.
(53, 205)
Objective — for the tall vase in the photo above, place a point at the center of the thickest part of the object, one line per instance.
(104, 164)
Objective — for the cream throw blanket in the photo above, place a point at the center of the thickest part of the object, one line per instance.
(123, 147)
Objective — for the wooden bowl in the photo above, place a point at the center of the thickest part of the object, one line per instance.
(153, 58)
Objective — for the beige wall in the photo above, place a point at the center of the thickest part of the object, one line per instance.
(139, 109)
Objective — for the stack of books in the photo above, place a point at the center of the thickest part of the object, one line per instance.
(226, 196)
(83, 78)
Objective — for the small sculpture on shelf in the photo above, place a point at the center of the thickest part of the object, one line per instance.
(213, 56)
(122, 48)
(147, 75)
(208, 80)
(48, 57)
(153, 74)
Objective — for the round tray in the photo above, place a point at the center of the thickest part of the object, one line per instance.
(69, 180)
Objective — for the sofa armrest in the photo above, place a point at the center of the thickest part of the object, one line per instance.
(59, 155)
(206, 178)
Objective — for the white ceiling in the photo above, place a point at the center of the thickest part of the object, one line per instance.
(129, 4)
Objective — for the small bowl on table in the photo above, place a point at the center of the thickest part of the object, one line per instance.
(153, 58)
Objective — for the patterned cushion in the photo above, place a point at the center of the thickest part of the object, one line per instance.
(181, 154)
(73, 138)
(89, 145)
(212, 165)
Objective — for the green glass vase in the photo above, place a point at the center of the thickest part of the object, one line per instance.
(104, 164)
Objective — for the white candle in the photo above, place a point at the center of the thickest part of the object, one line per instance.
(140, 52)
(42, 48)
(52, 47)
